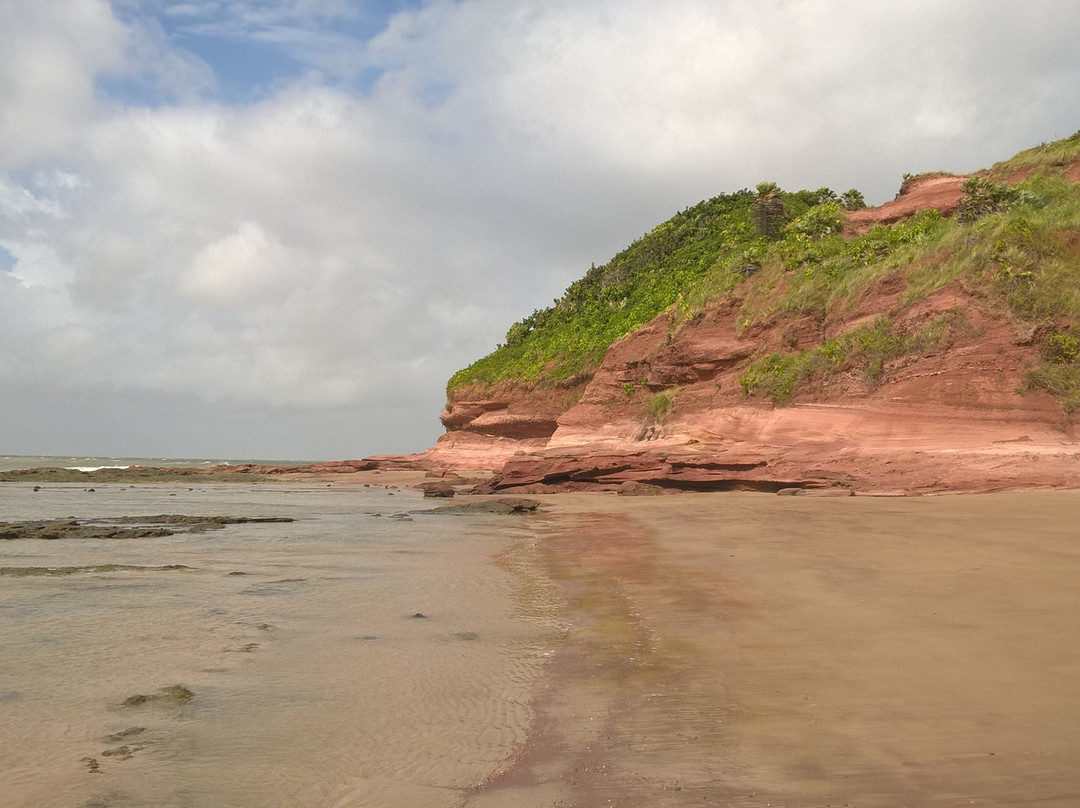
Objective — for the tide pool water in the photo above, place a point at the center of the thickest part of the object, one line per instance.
(356, 656)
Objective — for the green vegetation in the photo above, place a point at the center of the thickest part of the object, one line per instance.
(570, 337)
(768, 209)
(777, 254)
(1062, 347)
(1060, 371)
(660, 405)
(696, 256)
(865, 349)
(982, 197)
(852, 199)
(1063, 381)
(828, 269)
(1047, 159)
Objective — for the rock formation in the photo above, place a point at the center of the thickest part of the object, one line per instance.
(668, 407)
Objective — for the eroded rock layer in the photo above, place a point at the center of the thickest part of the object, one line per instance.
(952, 416)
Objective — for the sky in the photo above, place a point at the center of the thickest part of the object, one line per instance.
(274, 229)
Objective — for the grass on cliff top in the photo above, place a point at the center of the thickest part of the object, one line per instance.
(701, 248)
(1026, 256)
(571, 336)
(1048, 159)
(1024, 252)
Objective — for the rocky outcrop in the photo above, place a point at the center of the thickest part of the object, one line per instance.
(515, 412)
(954, 419)
(666, 411)
(940, 192)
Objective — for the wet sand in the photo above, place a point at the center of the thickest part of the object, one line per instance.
(753, 650)
(352, 651)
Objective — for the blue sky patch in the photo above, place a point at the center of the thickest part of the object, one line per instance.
(246, 69)
(7, 260)
(253, 49)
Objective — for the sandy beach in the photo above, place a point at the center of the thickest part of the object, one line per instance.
(752, 650)
(735, 649)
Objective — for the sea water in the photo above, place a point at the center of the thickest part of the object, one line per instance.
(88, 463)
(365, 654)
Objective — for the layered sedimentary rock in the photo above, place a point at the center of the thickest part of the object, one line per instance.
(954, 418)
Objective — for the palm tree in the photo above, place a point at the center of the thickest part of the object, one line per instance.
(769, 209)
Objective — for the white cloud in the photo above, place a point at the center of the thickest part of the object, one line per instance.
(244, 268)
(340, 253)
(20, 203)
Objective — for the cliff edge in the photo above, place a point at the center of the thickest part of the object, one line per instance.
(805, 345)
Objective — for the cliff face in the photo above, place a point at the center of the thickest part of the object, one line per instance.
(671, 405)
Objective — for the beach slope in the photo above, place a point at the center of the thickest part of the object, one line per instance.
(747, 650)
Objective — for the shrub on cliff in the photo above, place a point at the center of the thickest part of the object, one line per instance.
(982, 197)
(866, 349)
(775, 254)
(693, 257)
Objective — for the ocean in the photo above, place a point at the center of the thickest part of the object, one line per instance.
(87, 463)
(368, 653)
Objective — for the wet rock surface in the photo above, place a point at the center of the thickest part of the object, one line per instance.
(33, 572)
(503, 505)
(438, 490)
(124, 527)
(173, 695)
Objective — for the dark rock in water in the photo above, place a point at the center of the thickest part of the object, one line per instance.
(124, 527)
(633, 488)
(177, 695)
(125, 733)
(120, 752)
(503, 505)
(439, 489)
(26, 572)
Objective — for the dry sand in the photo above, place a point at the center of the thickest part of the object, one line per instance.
(752, 650)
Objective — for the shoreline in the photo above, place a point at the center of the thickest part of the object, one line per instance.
(745, 649)
(332, 654)
(917, 471)
(748, 650)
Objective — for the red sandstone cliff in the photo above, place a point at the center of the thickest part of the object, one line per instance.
(952, 419)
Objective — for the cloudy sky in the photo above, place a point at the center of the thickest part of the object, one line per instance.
(273, 229)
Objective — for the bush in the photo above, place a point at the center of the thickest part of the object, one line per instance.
(1061, 381)
(778, 376)
(820, 221)
(852, 199)
(983, 197)
(1061, 347)
(660, 405)
(568, 339)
